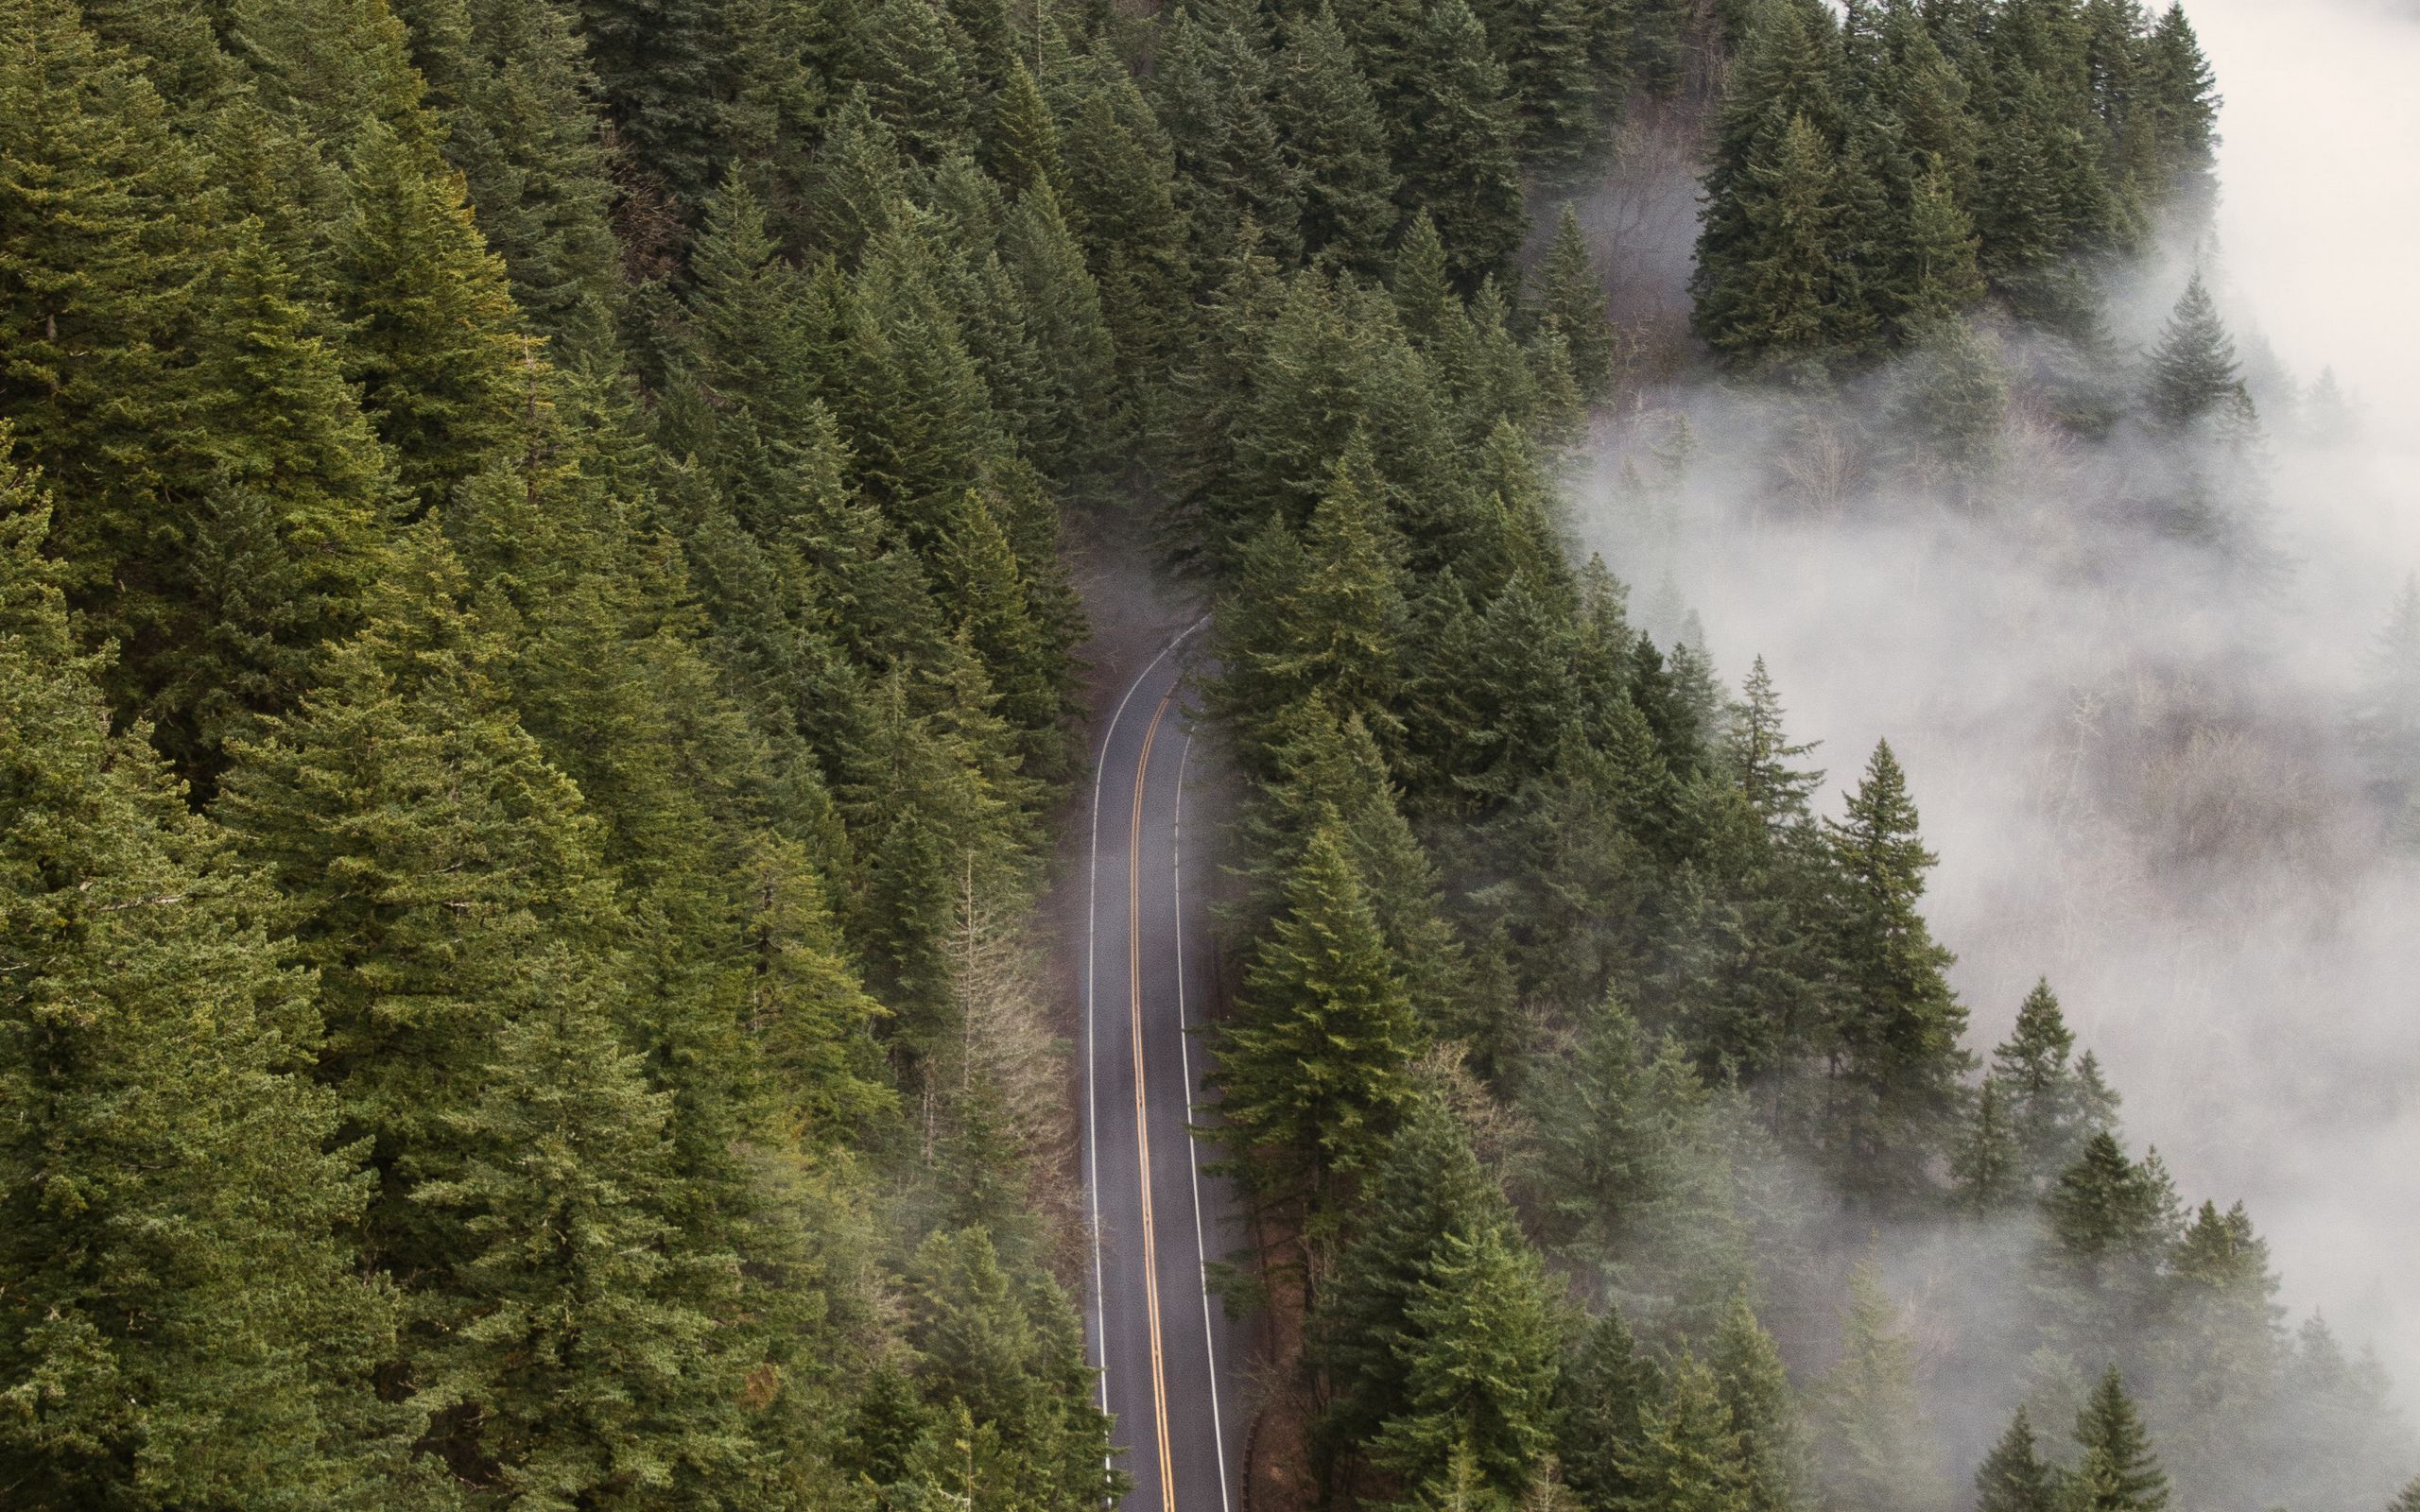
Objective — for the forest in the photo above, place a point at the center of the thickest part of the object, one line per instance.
(545, 552)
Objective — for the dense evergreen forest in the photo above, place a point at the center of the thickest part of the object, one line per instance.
(539, 667)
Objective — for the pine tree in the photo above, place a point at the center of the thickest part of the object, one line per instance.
(1940, 278)
(1900, 1023)
(566, 1363)
(1545, 46)
(2220, 1349)
(1478, 1364)
(1572, 304)
(422, 848)
(1606, 1390)
(1337, 141)
(2044, 1095)
(663, 68)
(513, 86)
(807, 1007)
(219, 497)
(1022, 147)
(184, 1325)
(1458, 156)
(431, 341)
(1986, 1161)
(2193, 372)
(1758, 753)
(999, 1350)
(2182, 105)
(915, 78)
(2014, 1476)
(2119, 1472)
(1432, 1329)
(1313, 1068)
(1877, 1450)
(2111, 1223)
(1782, 289)
(1121, 176)
(1323, 608)
(1060, 305)
(1689, 1457)
(1748, 1370)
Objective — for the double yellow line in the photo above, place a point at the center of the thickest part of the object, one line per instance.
(1142, 1105)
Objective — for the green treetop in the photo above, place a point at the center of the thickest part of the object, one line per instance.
(2120, 1471)
(1313, 1067)
(2015, 1477)
(183, 1324)
(2193, 372)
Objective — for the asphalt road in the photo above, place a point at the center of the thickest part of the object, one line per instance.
(1171, 1362)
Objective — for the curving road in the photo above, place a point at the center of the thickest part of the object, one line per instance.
(1171, 1362)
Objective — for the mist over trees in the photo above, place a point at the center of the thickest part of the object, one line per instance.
(540, 668)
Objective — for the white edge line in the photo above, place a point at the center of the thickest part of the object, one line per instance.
(1092, 1099)
(1192, 1156)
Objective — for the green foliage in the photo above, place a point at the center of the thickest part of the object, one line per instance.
(1313, 1067)
(2192, 370)
(2118, 1471)
(1876, 1452)
(1899, 1022)
(2015, 1477)
(184, 1325)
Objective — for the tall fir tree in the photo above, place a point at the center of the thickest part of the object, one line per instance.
(183, 1324)
(1900, 1023)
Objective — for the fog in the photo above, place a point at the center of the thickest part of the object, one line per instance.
(2134, 769)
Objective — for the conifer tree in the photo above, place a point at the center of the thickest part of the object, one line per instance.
(1756, 1388)
(219, 497)
(2193, 372)
(1940, 278)
(2046, 1099)
(431, 314)
(1478, 1364)
(566, 1360)
(1433, 1329)
(1337, 141)
(1606, 1389)
(1000, 1351)
(1022, 147)
(1314, 1066)
(916, 78)
(1688, 1457)
(1899, 1021)
(2182, 105)
(2119, 1472)
(422, 848)
(1325, 606)
(2220, 1349)
(184, 1325)
(1572, 304)
(1060, 305)
(1121, 175)
(664, 66)
(2015, 1477)
(1876, 1452)
(1985, 1162)
(513, 85)
(1458, 155)
(1758, 753)
(2111, 1223)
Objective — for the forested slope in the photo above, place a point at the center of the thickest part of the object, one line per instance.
(537, 664)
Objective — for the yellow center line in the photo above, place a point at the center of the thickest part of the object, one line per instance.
(1142, 1119)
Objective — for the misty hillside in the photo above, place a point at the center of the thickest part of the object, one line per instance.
(571, 576)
